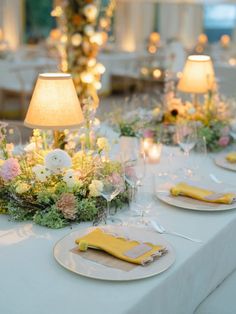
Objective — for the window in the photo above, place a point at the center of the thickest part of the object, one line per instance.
(219, 20)
(38, 21)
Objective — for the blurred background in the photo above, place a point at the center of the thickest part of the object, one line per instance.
(146, 43)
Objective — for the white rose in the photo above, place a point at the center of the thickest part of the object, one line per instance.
(57, 160)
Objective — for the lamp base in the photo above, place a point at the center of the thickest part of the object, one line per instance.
(195, 100)
(58, 139)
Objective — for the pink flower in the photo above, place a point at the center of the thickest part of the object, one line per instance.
(148, 133)
(223, 141)
(117, 180)
(10, 169)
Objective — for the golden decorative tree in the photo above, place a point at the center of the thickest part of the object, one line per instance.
(84, 30)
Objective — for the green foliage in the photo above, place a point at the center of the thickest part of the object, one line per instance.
(45, 197)
(87, 209)
(3, 206)
(111, 167)
(18, 212)
(212, 134)
(51, 218)
(128, 128)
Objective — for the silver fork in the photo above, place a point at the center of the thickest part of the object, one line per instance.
(159, 228)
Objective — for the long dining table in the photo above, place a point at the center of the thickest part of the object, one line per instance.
(33, 282)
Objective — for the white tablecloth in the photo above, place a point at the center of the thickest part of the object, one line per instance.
(31, 281)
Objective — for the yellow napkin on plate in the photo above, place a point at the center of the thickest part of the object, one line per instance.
(201, 194)
(231, 157)
(122, 248)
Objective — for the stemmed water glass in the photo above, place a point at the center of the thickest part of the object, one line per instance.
(134, 172)
(186, 135)
(113, 184)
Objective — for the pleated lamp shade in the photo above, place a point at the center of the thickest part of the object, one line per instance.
(198, 75)
(54, 103)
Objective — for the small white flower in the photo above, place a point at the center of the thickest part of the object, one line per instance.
(103, 144)
(41, 172)
(57, 160)
(30, 147)
(70, 178)
(70, 145)
(95, 188)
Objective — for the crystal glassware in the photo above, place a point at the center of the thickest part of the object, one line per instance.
(113, 184)
(186, 136)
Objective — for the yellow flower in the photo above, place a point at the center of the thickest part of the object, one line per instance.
(103, 144)
(1, 162)
(36, 133)
(95, 188)
(22, 187)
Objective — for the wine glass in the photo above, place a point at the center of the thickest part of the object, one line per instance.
(113, 184)
(134, 172)
(170, 150)
(200, 156)
(186, 136)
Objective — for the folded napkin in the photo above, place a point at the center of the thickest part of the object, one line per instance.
(201, 194)
(122, 248)
(231, 157)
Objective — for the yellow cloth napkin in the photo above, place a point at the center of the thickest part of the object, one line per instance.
(122, 248)
(231, 157)
(201, 194)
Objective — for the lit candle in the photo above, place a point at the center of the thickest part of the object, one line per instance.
(154, 153)
(146, 145)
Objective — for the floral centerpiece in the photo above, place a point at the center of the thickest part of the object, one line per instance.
(54, 187)
(212, 119)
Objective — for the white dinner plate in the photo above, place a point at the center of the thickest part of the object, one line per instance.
(223, 163)
(163, 193)
(82, 266)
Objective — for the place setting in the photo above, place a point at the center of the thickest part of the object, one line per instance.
(116, 253)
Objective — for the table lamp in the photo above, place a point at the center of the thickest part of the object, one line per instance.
(54, 104)
(198, 76)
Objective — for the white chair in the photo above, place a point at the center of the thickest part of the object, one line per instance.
(17, 79)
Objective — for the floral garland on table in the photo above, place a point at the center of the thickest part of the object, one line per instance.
(84, 32)
(56, 187)
(212, 119)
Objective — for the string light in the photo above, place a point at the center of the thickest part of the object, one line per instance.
(57, 11)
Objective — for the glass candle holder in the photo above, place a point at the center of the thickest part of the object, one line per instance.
(154, 153)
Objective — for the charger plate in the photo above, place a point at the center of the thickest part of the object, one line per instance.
(163, 194)
(223, 163)
(82, 266)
